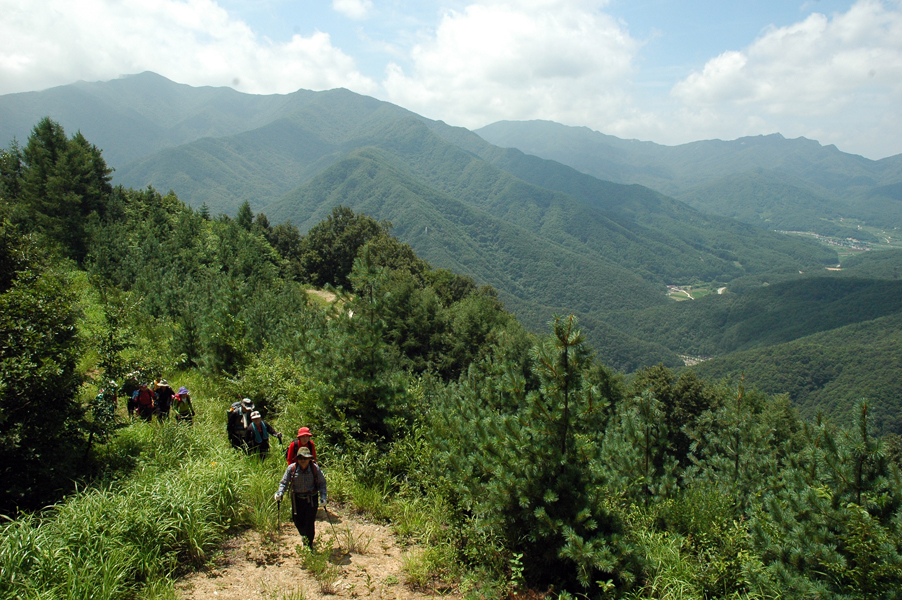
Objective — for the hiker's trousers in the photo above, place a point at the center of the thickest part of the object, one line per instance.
(304, 507)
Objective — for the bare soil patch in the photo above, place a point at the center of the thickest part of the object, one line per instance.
(327, 296)
(366, 562)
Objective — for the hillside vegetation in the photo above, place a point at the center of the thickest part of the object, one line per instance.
(722, 323)
(828, 373)
(763, 180)
(546, 237)
(522, 464)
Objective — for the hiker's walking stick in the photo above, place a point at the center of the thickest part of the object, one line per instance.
(279, 517)
(329, 518)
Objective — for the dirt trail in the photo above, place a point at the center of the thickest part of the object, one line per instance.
(249, 568)
(327, 296)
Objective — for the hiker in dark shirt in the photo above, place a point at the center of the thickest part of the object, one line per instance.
(164, 395)
(308, 491)
(257, 434)
(237, 420)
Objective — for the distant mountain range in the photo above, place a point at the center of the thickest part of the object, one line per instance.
(561, 220)
(764, 180)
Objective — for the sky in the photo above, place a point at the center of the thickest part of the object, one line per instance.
(668, 71)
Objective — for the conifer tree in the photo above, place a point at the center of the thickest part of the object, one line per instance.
(11, 171)
(734, 448)
(634, 449)
(245, 217)
(39, 351)
(530, 473)
(362, 384)
(331, 246)
(63, 183)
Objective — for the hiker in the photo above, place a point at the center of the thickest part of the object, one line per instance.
(257, 435)
(305, 440)
(184, 410)
(307, 482)
(237, 420)
(164, 395)
(129, 387)
(143, 400)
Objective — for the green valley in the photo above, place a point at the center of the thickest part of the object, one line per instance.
(513, 460)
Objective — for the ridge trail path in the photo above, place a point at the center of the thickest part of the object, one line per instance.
(249, 567)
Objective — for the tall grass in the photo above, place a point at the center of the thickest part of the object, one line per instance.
(186, 490)
(105, 542)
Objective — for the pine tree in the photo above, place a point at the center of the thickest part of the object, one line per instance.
(635, 461)
(357, 370)
(530, 468)
(734, 448)
(63, 183)
(245, 217)
(39, 378)
(331, 246)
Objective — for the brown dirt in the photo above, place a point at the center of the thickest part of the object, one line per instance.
(252, 567)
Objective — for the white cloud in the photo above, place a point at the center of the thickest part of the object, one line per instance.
(353, 9)
(54, 42)
(497, 59)
(839, 78)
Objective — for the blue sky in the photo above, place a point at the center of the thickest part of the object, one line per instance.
(666, 71)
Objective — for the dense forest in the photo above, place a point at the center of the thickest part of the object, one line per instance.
(548, 238)
(520, 461)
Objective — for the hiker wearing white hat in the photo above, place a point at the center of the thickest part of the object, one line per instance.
(257, 434)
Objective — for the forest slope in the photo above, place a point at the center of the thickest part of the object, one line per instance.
(716, 325)
(828, 372)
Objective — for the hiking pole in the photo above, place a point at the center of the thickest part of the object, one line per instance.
(279, 517)
(329, 518)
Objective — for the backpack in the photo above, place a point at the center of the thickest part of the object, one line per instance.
(292, 445)
(143, 397)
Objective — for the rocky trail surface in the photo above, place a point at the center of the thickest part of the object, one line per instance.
(365, 561)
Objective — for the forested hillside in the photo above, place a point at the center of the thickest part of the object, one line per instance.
(719, 324)
(135, 116)
(521, 463)
(546, 237)
(876, 265)
(828, 373)
(762, 180)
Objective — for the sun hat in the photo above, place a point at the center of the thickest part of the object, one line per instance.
(303, 452)
(183, 391)
(255, 415)
(246, 403)
(304, 431)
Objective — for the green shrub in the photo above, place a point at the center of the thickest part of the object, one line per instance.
(425, 568)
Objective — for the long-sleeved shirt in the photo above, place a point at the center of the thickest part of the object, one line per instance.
(308, 481)
(261, 432)
(164, 396)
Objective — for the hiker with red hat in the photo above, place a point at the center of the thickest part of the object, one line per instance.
(304, 440)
